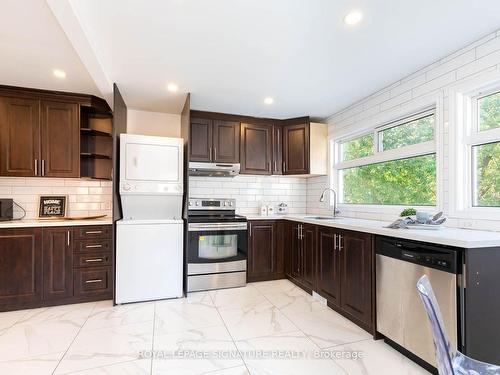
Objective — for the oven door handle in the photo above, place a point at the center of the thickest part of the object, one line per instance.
(201, 227)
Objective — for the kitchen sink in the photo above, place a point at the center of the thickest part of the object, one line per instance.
(321, 217)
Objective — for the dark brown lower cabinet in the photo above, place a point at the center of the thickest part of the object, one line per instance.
(57, 263)
(20, 267)
(301, 249)
(328, 277)
(43, 267)
(265, 250)
(356, 259)
(337, 264)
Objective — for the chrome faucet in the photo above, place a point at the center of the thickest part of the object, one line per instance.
(322, 199)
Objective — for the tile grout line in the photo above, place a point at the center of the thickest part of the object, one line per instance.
(74, 338)
(153, 338)
(229, 333)
(308, 336)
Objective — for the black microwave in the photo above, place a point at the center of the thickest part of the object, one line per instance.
(6, 209)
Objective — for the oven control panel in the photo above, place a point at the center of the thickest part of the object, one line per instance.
(211, 204)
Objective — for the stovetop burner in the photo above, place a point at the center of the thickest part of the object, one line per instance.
(207, 210)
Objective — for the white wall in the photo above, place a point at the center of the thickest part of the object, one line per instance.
(85, 197)
(435, 79)
(153, 123)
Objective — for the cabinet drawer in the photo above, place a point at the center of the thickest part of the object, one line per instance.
(92, 281)
(92, 246)
(92, 232)
(92, 260)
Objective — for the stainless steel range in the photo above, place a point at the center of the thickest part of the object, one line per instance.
(217, 245)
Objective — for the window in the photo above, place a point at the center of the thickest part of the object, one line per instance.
(485, 155)
(357, 148)
(409, 133)
(486, 175)
(489, 112)
(399, 170)
(475, 154)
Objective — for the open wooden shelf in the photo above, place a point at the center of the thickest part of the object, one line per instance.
(94, 132)
(95, 156)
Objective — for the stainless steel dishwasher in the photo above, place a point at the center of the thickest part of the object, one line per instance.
(401, 317)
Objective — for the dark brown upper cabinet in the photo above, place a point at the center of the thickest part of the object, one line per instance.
(296, 150)
(200, 140)
(60, 139)
(226, 141)
(256, 149)
(277, 149)
(19, 137)
(40, 132)
(214, 141)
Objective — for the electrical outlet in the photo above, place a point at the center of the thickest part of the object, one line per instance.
(466, 223)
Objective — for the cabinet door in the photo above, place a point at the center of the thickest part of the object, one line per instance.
(262, 250)
(308, 254)
(356, 275)
(226, 142)
(19, 137)
(296, 149)
(57, 263)
(295, 251)
(277, 149)
(200, 140)
(256, 149)
(60, 139)
(328, 267)
(20, 267)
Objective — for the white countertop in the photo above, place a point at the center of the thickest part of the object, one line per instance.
(53, 223)
(465, 238)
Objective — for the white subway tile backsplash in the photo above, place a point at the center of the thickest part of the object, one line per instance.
(252, 191)
(26, 191)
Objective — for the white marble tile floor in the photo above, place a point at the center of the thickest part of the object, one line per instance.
(264, 328)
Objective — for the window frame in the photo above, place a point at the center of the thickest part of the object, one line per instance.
(464, 114)
(431, 104)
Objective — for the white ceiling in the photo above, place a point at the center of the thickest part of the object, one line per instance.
(231, 54)
(32, 44)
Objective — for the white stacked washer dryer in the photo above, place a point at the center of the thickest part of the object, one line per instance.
(149, 238)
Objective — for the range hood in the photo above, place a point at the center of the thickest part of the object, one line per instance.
(214, 169)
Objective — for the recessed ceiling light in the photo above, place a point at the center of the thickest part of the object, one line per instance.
(353, 17)
(268, 100)
(172, 87)
(59, 73)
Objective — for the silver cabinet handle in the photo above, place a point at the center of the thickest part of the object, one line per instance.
(275, 167)
(284, 166)
(93, 260)
(215, 153)
(340, 243)
(334, 242)
(211, 154)
(93, 246)
(36, 167)
(94, 232)
(43, 167)
(93, 281)
(68, 237)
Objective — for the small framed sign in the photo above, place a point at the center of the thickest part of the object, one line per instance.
(52, 206)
